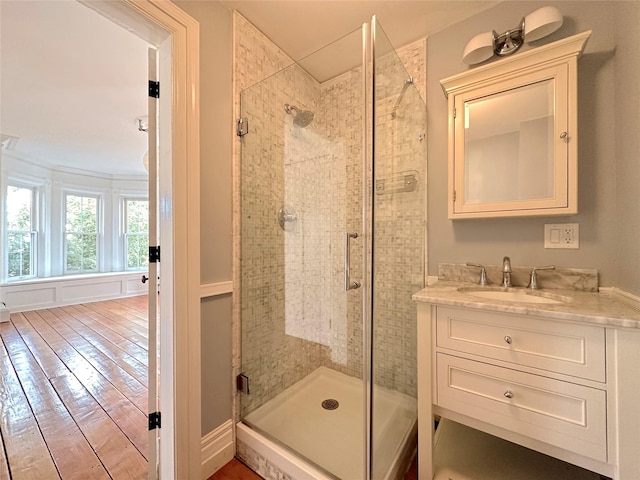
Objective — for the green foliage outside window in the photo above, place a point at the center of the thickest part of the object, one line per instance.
(81, 233)
(20, 234)
(137, 234)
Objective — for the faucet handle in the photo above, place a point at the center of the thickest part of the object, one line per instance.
(483, 273)
(506, 265)
(533, 280)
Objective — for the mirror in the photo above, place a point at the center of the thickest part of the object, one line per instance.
(513, 134)
(509, 155)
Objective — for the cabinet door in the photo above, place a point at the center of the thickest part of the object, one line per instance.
(511, 151)
(513, 136)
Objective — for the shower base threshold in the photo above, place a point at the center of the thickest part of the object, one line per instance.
(333, 438)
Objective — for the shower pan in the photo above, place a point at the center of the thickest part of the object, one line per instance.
(328, 344)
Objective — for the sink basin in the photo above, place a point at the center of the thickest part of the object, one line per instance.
(514, 295)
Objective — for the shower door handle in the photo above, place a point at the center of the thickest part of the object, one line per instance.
(348, 284)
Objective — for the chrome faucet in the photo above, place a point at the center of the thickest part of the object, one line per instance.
(483, 273)
(506, 272)
(533, 279)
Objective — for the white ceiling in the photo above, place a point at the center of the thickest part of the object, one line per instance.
(301, 27)
(72, 83)
(304, 28)
(71, 86)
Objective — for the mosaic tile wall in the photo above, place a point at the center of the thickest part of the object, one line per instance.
(282, 327)
(342, 101)
(292, 314)
(260, 464)
(399, 222)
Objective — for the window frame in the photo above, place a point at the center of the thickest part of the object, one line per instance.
(125, 234)
(99, 229)
(34, 232)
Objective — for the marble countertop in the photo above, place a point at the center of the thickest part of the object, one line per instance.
(607, 308)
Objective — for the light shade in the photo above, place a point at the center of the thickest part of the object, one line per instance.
(541, 22)
(479, 49)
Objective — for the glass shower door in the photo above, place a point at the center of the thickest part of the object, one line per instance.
(302, 253)
(398, 206)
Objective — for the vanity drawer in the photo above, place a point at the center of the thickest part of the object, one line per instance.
(567, 415)
(570, 349)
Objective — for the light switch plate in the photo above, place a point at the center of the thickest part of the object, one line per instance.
(562, 235)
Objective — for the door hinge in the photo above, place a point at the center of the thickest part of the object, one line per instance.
(242, 127)
(454, 112)
(154, 254)
(154, 89)
(454, 196)
(154, 420)
(242, 383)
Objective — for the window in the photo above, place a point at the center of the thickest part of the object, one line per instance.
(136, 234)
(21, 233)
(81, 234)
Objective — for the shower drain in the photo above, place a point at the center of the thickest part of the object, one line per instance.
(330, 404)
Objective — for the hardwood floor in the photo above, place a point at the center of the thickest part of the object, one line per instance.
(412, 474)
(73, 392)
(235, 470)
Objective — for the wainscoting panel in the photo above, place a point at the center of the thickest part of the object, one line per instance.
(60, 291)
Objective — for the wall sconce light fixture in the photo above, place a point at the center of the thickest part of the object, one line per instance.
(536, 25)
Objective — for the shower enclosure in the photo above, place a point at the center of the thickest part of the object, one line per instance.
(332, 248)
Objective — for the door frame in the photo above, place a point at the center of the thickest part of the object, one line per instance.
(166, 26)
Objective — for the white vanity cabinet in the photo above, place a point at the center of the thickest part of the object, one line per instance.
(563, 387)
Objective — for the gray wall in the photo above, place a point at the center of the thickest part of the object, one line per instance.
(608, 148)
(216, 362)
(216, 135)
(627, 87)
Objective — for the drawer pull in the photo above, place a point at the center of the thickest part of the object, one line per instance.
(508, 394)
(508, 339)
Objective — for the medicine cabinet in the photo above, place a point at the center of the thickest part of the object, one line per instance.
(513, 134)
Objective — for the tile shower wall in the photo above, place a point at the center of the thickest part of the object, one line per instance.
(280, 168)
(399, 222)
(342, 100)
(254, 59)
(314, 172)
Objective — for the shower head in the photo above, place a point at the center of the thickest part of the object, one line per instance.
(301, 118)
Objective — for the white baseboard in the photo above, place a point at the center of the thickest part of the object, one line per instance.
(217, 449)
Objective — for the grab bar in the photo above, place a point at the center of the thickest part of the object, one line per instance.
(348, 284)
